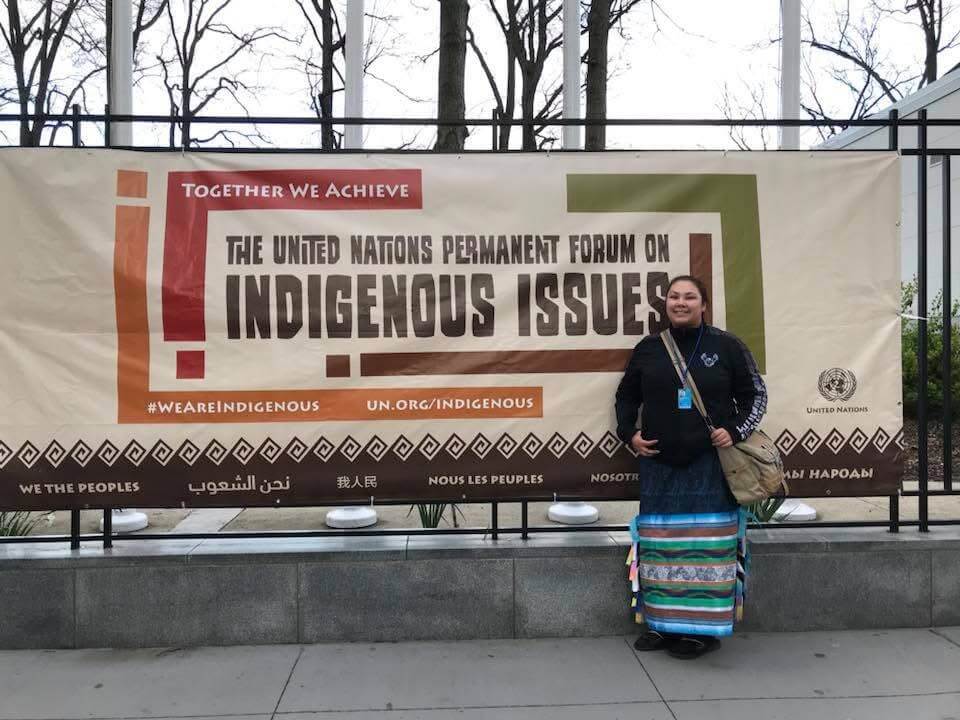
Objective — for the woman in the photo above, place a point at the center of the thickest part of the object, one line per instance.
(686, 563)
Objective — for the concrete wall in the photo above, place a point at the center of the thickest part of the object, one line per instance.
(225, 592)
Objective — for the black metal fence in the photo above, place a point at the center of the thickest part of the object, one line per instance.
(892, 123)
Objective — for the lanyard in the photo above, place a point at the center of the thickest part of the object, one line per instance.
(693, 355)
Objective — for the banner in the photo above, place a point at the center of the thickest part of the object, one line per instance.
(209, 330)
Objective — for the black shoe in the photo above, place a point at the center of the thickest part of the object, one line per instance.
(690, 648)
(652, 640)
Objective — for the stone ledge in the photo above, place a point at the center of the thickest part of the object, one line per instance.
(408, 547)
(244, 591)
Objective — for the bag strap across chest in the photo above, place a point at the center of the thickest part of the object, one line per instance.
(686, 378)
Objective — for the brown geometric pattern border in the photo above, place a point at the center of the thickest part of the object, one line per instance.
(835, 441)
(402, 448)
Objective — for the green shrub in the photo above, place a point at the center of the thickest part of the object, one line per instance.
(910, 331)
(764, 510)
(431, 514)
(21, 522)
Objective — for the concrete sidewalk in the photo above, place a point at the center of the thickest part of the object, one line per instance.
(788, 676)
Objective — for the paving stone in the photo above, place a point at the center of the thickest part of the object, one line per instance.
(477, 674)
(196, 682)
(941, 707)
(811, 665)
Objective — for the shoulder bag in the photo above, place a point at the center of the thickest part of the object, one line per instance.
(753, 467)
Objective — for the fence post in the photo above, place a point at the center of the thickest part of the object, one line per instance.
(108, 527)
(185, 129)
(922, 359)
(894, 140)
(947, 238)
(75, 125)
(106, 126)
(74, 529)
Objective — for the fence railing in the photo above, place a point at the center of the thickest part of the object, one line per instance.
(892, 123)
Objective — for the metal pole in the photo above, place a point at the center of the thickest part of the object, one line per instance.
(75, 125)
(524, 523)
(894, 141)
(494, 521)
(353, 516)
(493, 130)
(106, 126)
(75, 514)
(107, 528)
(947, 237)
(353, 85)
(922, 459)
(571, 73)
(121, 71)
(74, 529)
(790, 72)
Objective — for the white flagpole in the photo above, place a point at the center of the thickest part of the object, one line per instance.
(353, 85)
(358, 515)
(571, 73)
(790, 72)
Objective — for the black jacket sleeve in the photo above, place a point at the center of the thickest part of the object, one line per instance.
(749, 392)
(629, 398)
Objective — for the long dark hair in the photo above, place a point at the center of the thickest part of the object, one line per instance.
(701, 288)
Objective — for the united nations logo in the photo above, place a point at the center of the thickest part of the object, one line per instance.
(837, 384)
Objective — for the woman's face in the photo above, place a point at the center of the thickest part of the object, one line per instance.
(685, 305)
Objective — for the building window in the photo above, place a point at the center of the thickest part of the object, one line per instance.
(936, 160)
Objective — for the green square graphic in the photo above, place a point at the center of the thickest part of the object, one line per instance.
(734, 197)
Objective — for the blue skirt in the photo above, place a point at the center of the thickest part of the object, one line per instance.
(695, 488)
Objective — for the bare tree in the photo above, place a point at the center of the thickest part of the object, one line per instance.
(451, 103)
(851, 58)
(750, 104)
(532, 31)
(860, 59)
(929, 16)
(322, 58)
(55, 50)
(324, 77)
(598, 31)
(531, 35)
(34, 34)
(602, 17)
(200, 70)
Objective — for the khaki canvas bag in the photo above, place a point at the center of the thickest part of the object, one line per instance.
(753, 467)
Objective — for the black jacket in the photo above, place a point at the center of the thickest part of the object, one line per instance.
(726, 375)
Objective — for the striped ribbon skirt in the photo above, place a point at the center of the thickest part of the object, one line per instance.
(688, 572)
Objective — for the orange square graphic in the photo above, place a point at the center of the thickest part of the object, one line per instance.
(131, 183)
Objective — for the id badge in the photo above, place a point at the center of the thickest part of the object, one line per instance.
(684, 399)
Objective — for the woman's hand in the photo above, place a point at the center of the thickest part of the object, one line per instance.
(721, 438)
(644, 447)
